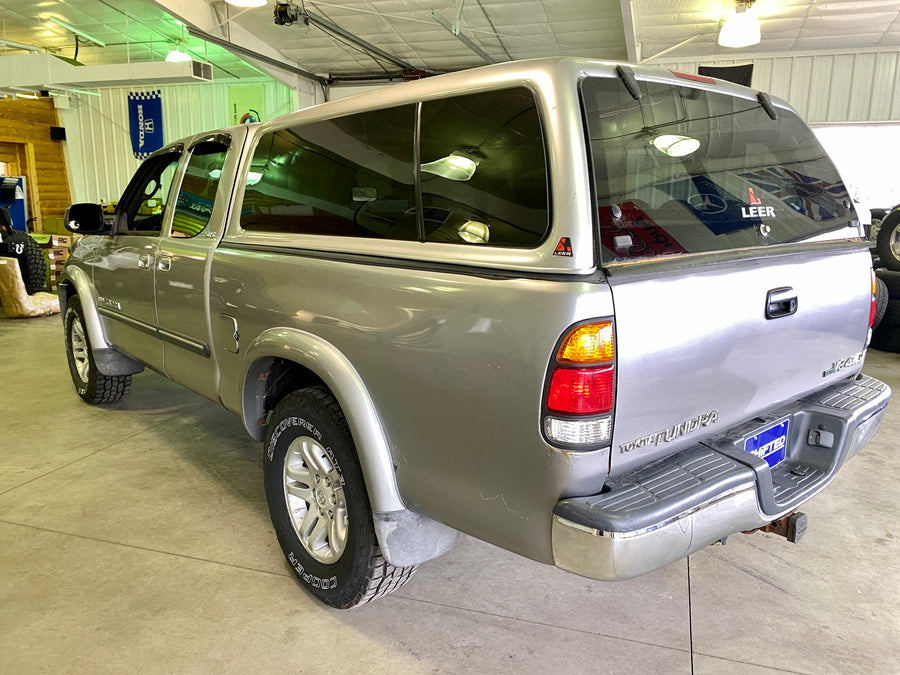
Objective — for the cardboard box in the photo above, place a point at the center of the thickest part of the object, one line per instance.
(60, 241)
(55, 225)
(56, 264)
(57, 253)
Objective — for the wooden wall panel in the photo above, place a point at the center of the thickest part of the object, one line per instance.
(26, 123)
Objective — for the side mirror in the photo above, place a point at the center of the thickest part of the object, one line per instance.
(85, 219)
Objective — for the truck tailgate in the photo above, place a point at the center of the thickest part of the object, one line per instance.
(696, 353)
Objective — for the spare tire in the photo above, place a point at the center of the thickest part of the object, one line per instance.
(888, 242)
(32, 265)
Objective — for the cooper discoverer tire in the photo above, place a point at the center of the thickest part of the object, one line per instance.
(92, 385)
(319, 504)
(31, 260)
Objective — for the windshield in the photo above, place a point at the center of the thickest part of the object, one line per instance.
(684, 170)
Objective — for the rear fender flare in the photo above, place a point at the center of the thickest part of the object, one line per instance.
(336, 371)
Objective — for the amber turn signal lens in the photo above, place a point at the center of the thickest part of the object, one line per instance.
(591, 343)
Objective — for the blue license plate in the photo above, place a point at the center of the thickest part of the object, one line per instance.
(770, 444)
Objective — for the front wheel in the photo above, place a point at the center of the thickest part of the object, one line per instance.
(92, 385)
(319, 505)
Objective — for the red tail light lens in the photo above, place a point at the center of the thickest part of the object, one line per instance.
(581, 391)
(874, 295)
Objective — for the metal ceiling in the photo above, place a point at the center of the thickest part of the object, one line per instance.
(411, 32)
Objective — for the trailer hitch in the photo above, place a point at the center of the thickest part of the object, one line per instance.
(792, 527)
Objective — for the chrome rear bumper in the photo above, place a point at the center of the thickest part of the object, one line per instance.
(661, 513)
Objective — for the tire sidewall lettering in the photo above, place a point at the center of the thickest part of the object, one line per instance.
(294, 422)
(326, 584)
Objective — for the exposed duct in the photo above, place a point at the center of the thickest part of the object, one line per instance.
(45, 71)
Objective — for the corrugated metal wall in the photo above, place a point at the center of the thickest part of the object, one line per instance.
(825, 88)
(98, 143)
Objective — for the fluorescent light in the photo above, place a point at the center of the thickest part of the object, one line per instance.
(246, 3)
(19, 45)
(72, 29)
(676, 146)
(253, 177)
(457, 165)
(741, 28)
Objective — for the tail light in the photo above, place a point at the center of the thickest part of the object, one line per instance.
(874, 293)
(580, 393)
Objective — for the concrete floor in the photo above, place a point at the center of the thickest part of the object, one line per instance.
(136, 537)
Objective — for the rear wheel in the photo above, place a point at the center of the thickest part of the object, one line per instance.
(319, 504)
(92, 385)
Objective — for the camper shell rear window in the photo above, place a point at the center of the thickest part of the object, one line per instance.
(684, 170)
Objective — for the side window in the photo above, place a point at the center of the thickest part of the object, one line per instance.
(351, 176)
(143, 205)
(483, 170)
(194, 205)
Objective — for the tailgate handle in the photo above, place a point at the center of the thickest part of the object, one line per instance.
(781, 302)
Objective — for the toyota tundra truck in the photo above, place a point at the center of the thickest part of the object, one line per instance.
(597, 314)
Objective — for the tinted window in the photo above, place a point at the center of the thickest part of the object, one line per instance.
(194, 205)
(687, 171)
(498, 136)
(351, 176)
(143, 205)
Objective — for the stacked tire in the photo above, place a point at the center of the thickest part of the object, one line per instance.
(886, 333)
(18, 245)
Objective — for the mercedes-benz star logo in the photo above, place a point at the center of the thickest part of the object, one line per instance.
(708, 203)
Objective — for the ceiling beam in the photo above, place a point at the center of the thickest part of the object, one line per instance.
(454, 30)
(631, 41)
(358, 41)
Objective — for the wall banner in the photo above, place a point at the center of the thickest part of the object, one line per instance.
(145, 117)
(246, 103)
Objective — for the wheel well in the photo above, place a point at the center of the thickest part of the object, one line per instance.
(268, 381)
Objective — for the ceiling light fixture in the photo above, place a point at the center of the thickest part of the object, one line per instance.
(457, 165)
(175, 55)
(246, 3)
(676, 146)
(741, 27)
(72, 29)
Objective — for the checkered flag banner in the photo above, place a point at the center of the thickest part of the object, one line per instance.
(145, 118)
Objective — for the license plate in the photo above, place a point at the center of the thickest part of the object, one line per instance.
(770, 444)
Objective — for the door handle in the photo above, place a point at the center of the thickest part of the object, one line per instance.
(164, 263)
(781, 302)
(144, 261)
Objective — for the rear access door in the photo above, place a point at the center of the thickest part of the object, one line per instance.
(734, 259)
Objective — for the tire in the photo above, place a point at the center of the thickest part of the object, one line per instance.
(92, 385)
(881, 301)
(887, 244)
(891, 280)
(319, 505)
(31, 260)
(891, 315)
(886, 339)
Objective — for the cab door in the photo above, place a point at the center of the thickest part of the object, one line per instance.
(124, 264)
(183, 258)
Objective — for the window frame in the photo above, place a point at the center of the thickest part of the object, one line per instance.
(417, 172)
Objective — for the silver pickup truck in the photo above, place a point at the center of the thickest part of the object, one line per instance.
(599, 315)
